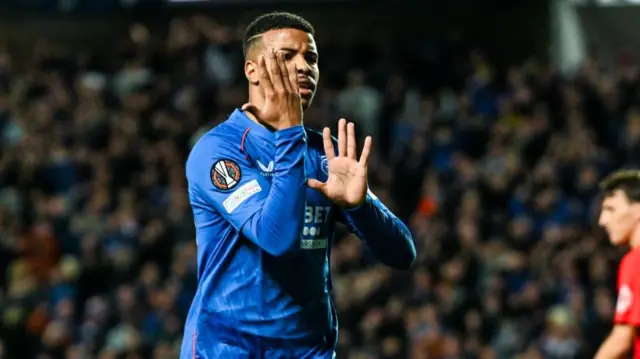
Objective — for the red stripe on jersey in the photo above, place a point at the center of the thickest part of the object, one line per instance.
(244, 137)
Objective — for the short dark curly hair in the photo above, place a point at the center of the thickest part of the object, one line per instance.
(273, 21)
(628, 181)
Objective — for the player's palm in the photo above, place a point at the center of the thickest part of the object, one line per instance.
(282, 107)
(347, 177)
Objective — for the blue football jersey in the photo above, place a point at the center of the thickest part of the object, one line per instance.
(264, 237)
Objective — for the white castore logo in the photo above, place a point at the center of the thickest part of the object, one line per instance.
(268, 169)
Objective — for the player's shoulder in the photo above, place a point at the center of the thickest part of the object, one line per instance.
(632, 257)
(316, 141)
(629, 264)
(221, 142)
(314, 138)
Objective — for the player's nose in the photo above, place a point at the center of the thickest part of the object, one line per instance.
(602, 222)
(304, 68)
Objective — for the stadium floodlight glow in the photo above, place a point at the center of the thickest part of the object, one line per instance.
(618, 2)
(610, 2)
(606, 2)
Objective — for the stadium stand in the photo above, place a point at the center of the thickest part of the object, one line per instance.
(495, 169)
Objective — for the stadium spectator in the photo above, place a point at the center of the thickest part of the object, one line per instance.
(497, 179)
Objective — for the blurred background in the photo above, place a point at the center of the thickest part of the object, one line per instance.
(492, 121)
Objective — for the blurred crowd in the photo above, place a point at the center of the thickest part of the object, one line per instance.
(495, 170)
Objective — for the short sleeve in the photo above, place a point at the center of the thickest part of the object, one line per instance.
(628, 302)
(226, 182)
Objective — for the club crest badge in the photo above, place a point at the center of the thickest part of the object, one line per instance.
(324, 165)
(625, 299)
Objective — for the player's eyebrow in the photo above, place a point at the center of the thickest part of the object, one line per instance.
(291, 49)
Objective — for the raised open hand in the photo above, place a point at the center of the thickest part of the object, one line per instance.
(282, 107)
(347, 182)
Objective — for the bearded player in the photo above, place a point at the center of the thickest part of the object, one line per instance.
(266, 194)
(620, 217)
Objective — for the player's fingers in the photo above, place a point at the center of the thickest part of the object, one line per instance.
(351, 140)
(329, 151)
(293, 78)
(284, 72)
(366, 151)
(317, 185)
(342, 137)
(274, 72)
(265, 80)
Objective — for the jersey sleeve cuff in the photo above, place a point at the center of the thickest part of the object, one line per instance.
(358, 207)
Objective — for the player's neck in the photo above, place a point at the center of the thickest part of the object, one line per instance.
(634, 241)
(256, 100)
(252, 117)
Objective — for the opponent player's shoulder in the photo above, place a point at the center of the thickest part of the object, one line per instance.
(631, 258)
(224, 141)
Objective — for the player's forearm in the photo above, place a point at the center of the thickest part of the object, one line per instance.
(278, 225)
(612, 348)
(387, 237)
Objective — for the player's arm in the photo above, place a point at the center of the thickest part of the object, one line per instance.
(618, 344)
(387, 237)
(269, 217)
(627, 316)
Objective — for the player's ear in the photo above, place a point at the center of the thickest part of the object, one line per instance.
(251, 71)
